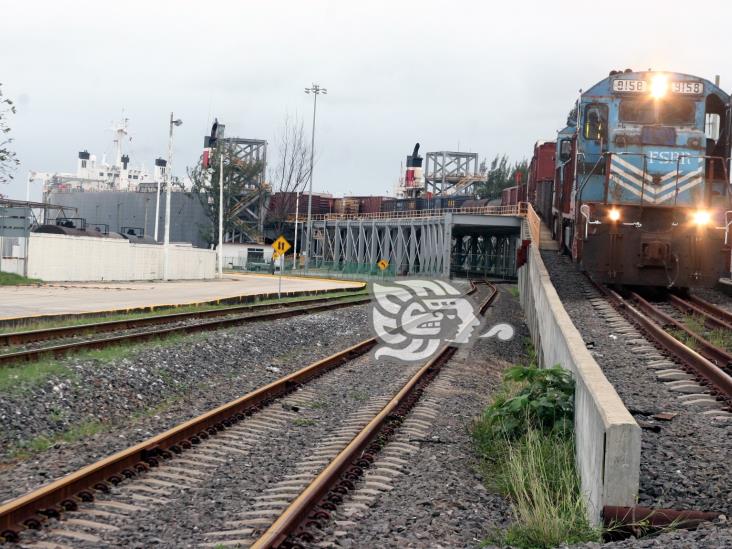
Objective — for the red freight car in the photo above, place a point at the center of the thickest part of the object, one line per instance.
(509, 196)
(541, 167)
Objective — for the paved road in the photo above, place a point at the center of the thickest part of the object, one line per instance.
(74, 297)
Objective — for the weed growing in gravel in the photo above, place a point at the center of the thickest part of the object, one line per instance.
(318, 404)
(17, 379)
(540, 478)
(544, 401)
(683, 337)
(526, 444)
(513, 290)
(718, 337)
(44, 442)
(360, 396)
(158, 409)
(303, 422)
(57, 416)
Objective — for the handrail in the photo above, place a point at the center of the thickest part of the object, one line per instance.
(519, 209)
(534, 223)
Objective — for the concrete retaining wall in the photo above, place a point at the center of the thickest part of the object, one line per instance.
(53, 257)
(608, 438)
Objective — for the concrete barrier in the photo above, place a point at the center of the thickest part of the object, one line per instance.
(607, 437)
(56, 257)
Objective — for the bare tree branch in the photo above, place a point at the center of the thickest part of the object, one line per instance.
(8, 160)
(291, 173)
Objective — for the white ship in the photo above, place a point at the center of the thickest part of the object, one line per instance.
(94, 176)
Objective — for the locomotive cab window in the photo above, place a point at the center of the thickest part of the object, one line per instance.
(565, 150)
(595, 127)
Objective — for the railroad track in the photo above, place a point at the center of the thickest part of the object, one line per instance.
(707, 320)
(154, 327)
(179, 452)
(695, 365)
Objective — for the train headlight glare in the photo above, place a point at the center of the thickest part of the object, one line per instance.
(702, 217)
(659, 86)
(614, 214)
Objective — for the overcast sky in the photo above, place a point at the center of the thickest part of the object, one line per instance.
(487, 77)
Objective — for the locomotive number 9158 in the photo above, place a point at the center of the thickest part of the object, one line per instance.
(636, 86)
(689, 88)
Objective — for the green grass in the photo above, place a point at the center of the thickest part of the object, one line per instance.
(719, 337)
(539, 476)
(65, 322)
(12, 279)
(514, 291)
(303, 422)
(360, 396)
(14, 379)
(318, 404)
(526, 448)
(57, 416)
(42, 443)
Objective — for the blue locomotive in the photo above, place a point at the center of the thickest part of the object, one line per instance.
(641, 184)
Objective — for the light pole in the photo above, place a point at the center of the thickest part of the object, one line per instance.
(31, 177)
(315, 90)
(169, 179)
(157, 210)
(221, 210)
(297, 213)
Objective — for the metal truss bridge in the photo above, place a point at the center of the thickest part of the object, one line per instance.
(452, 242)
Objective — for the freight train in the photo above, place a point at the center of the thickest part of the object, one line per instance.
(285, 204)
(636, 187)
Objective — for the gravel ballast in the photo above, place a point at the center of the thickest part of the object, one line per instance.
(685, 461)
(440, 499)
(154, 387)
(716, 297)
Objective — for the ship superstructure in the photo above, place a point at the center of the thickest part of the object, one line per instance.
(95, 175)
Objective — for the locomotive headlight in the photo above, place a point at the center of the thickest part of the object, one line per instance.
(702, 217)
(614, 214)
(659, 86)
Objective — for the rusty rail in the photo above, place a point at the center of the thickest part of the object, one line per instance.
(356, 455)
(45, 334)
(716, 378)
(300, 509)
(713, 310)
(707, 349)
(66, 493)
(710, 319)
(66, 348)
(622, 522)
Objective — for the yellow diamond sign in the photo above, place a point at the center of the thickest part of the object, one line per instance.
(280, 247)
(383, 264)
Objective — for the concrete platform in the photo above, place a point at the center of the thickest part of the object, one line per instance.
(76, 297)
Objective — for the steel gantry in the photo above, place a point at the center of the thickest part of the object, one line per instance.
(249, 209)
(450, 172)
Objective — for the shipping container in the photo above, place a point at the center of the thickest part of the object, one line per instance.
(541, 168)
(543, 203)
(509, 196)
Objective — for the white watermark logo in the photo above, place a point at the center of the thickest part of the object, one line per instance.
(413, 318)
